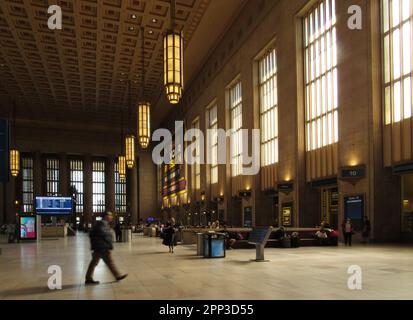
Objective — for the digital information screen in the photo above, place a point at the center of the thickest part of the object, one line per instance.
(28, 228)
(354, 207)
(54, 205)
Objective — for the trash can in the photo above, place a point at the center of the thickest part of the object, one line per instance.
(199, 244)
(214, 245)
(126, 235)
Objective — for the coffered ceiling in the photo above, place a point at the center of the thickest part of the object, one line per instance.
(82, 72)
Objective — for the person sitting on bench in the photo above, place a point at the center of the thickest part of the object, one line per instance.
(229, 238)
(322, 237)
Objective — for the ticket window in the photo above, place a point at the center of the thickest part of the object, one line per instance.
(407, 204)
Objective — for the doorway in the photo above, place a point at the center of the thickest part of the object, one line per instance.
(330, 206)
(407, 204)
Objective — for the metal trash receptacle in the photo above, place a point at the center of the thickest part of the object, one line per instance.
(214, 245)
(199, 244)
(126, 235)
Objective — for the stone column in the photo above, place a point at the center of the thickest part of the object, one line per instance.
(133, 193)
(64, 175)
(88, 191)
(37, 175)
(10, 195)
(110, 184)
(2, 204)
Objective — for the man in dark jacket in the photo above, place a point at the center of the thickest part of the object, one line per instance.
(101, 245)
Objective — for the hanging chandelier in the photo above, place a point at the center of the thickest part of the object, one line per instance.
(121, 158)
(130, 150)
(144, 108)
(144, 124)
(173, 43)
(122, 168)
(130, 139)
(14, 153)
(14, 162)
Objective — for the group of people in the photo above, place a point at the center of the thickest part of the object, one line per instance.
(348, 231)
(102, 242)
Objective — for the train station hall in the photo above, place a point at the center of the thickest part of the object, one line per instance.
(206, 150)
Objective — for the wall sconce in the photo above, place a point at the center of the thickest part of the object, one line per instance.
(245, 194)
(285, 187)
(219, 199)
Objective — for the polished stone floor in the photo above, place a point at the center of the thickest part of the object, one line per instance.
(304, 273)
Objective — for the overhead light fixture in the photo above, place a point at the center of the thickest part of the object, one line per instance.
(144, 107)
(131, 28)
(121, 158)
(134, 16)
(150, 31)
(154, 20)
(173, 61)
(14, 162)
(130, 138)
(122, 168)
(130, 151)
(14, 153)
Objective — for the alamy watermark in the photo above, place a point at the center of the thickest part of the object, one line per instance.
(55, 280)
(354, 282)
(354, 22)
(194, 153)
(55, 20)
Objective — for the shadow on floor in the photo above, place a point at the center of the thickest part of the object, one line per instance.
(192, 257)
(242, 262)
(35, 290)
(153, 253)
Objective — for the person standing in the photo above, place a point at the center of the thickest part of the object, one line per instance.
(366, 230)
(169, 238)
(347, 231)
(102, 245)
(118, 232)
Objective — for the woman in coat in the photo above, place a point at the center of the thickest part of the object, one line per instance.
(169, 238)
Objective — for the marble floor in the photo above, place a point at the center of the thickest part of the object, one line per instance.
(303, 273)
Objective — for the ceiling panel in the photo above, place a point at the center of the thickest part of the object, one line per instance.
(83, 70)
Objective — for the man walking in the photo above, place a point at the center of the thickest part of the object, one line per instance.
(101, 245)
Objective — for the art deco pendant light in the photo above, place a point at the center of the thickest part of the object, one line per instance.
(14, 153)
(130, 140)
(144, 107)
(173, 61)
(121, 158)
